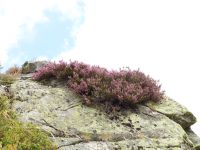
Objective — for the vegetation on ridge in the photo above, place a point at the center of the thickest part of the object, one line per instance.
(97, 84)
(10, 76)
(6, 79)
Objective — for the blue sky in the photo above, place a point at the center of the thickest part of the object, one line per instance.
(48, 36)
(48, 40)
(159, 37)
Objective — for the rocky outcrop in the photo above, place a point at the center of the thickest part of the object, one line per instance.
(31, 67)
(174, 111)
(74, 126)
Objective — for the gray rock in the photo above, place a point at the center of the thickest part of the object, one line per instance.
(174, 111)
(26, 76)
(74, 126)
(31, 67)
(194, 138)
(3, 90)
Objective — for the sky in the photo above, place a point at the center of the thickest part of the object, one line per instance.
(159, 37)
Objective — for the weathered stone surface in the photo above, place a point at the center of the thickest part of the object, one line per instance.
(194, 138)
(174, 111)
(31, 67)
(74, 126)
(26, 76)
(2, 90)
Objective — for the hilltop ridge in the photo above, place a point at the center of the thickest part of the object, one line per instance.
(73, 125)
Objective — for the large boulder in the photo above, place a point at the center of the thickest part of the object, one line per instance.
(74, 126)
(31, 67)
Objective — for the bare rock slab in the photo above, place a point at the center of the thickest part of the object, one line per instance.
(74, 126)
(174, 111)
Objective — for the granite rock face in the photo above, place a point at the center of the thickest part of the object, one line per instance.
(174, 111)
(194, 138)
(74, 126)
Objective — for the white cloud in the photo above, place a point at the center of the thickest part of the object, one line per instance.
(160, 37)
(41, 58)
(18, 18)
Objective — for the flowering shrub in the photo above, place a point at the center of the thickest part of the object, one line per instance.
(97, 84)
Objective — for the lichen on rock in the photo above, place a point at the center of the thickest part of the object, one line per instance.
(194, 138)
(73, 125)
(15, 135)
(174, 111)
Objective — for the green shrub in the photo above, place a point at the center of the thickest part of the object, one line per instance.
(15, 135)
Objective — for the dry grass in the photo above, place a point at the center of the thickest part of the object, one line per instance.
(16, 71)
(6, 79)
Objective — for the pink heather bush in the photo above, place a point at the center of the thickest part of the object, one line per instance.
(97, 84)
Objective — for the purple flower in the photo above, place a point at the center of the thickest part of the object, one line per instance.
(93, 82)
